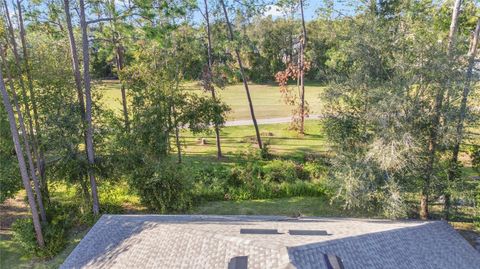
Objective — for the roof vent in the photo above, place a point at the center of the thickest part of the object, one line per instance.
(259, 231)
(238, 262)
(307, 232)
(333, 261)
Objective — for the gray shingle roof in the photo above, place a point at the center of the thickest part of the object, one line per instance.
(194, 241)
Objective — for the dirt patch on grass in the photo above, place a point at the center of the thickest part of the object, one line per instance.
(10, 210)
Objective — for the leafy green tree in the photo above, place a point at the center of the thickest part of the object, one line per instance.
(380, 107)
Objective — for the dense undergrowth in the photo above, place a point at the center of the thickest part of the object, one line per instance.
(173, 187)
(170, 187)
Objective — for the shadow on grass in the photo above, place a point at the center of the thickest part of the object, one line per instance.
(293, 207)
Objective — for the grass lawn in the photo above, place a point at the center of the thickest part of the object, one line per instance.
(11, 257)
(293, 207)
(266, 99)
(279, 138)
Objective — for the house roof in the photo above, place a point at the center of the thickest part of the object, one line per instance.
(197, 241)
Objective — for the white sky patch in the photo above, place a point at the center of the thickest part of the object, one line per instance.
(273, 11)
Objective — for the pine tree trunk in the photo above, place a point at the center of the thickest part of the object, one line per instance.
(462, 114)
(88, 108)
(433, 136)
(26, 103)
(120, 65)
(21, 162)
(177, 136)
(302, 71)
(210, 76)
(78, 86)
(86, 193)
(74, 56)
(31, 165)
(40, 155)
(242, 72)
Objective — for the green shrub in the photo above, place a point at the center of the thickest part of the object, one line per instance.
(280, 171)
(315, 170)
(252, 177)
(54, 233)
(164, 188)
(210, 182)
(475, 155)
(24, 236)
(284, 171)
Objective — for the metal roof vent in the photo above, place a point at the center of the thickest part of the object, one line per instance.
(259, 231)
(333, 261)
(307, 232)
(238, 262)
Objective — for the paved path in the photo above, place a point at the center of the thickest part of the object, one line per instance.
(267, 121)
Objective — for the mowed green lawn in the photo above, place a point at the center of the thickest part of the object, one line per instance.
(266, 99)
(279, 138)
(293, 207)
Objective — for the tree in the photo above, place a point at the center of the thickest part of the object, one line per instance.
(21, 162)
(21, 121)
(208, 83)
(462, 113)
(302, 70)
(78, 84)
(88, 108)
(33, 131)
(37, 137)
(435, 123)
(296, 71)
(115, 37)
(242, 72)
(380, 106)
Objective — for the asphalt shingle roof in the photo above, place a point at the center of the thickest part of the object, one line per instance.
(194, 241)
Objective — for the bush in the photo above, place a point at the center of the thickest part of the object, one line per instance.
(281, 171)
(252, 178)
(475, 155)
(54, 233)
(164, 188)
(210, 182)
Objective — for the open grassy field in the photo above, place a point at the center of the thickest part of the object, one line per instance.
(293, 207)
(279, 138)
(266, 98)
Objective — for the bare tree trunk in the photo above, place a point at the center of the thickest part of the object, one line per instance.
(302, 71)
(177, 135)
(462, 114)
(244, 78)
(119, 51)
(21, 162)
(74, 55)
(26, 103)
(120, 65)
(433, 136)
(31, 165)
(210, 76)
(86, 193)
(78, 84)
(40, 154)
(88, 108)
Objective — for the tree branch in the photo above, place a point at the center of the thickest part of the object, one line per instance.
(99, 20)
